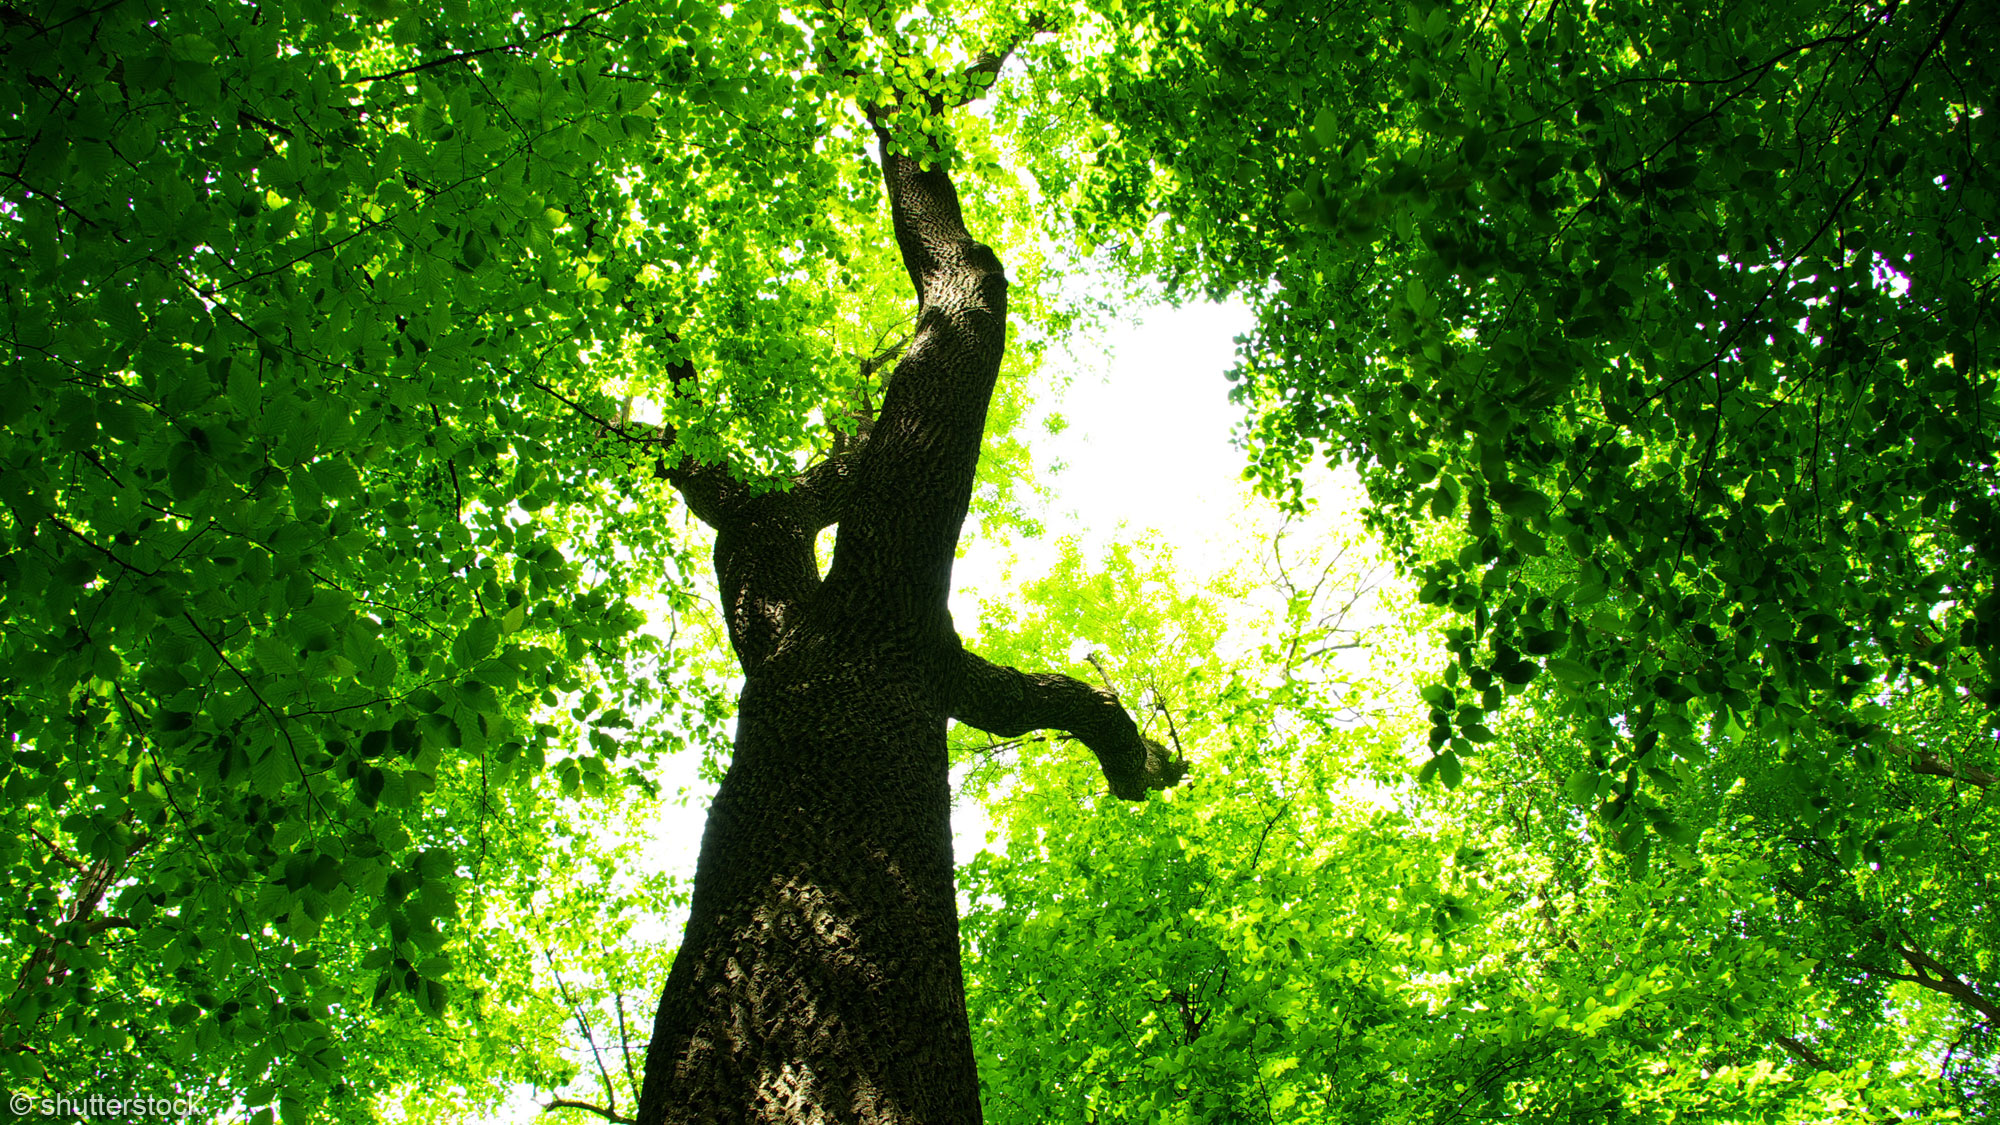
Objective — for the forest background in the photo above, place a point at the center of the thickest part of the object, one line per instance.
(348, 625)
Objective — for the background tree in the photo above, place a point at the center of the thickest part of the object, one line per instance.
(1681, 313)
(311, 568)
(1680, 319)
(1301, 933)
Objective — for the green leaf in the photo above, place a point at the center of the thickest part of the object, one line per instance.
(1521, 501)
(1581, 786)
(1326, 129)
(1679, 177)
(187, 475)
(1448, 770)
(475, 642)
(1572, 671)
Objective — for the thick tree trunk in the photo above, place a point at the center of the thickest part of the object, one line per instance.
(819, 978)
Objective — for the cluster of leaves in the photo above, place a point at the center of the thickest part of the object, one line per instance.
(1875, 873)
(1679, 321)
(1295, 935)
(575, 958)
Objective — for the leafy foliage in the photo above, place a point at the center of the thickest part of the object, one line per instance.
(1679, 315)
(322, 532)
(342, 342)
(341, 345)
(1294, 936)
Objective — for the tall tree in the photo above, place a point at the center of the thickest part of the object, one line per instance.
(327, 517)
(819, 977)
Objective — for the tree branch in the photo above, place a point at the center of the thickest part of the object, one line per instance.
(1935, 976)
(278, 721)
(764, 561)
(507, 48)
(570, 1103)
(583, 1025)
(61, 856)
(912, 479)
(1801, 1052)
(1008, 702)
(1927, 974)
(711, 493)
(930, 226)
(1928, 762)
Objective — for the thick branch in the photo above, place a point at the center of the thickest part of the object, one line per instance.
(821, 492)
(764, 563)
(929, 224)
(765, 570)
(711, 493)
(901, 498)
(46, 967)
(1936, 977)
(912, 479)
(1926, 972)
(1008, 702)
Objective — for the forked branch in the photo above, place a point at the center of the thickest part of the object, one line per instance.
(764, 563)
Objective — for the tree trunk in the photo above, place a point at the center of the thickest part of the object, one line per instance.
(819, 977)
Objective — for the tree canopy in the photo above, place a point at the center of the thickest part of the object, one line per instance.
(1677, 312)
(351, 609)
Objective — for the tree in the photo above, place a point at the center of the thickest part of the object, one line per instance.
(361, 357)
(1302, 933)
(326, 524)
(1678, 313)
(1661, 337)
(301, 496)
(819, 974)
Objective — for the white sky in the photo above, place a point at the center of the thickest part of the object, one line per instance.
(1147, 447)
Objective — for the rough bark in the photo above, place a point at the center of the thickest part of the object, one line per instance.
(819, 980)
